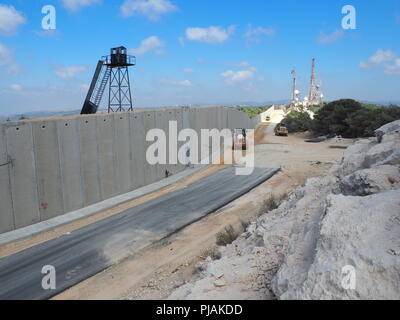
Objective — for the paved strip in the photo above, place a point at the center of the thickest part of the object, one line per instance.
(95, 208)
(91, 249)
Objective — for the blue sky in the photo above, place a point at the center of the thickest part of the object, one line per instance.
(198, 51)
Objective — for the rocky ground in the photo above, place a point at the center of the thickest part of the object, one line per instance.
(337, 237)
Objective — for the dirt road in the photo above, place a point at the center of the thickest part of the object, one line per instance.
(155, 271)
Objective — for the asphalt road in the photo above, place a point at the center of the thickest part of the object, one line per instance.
(91, 249)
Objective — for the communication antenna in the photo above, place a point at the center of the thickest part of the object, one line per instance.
(313, 94)
(294, 89)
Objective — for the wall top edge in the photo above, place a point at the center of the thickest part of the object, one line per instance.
(78, 116)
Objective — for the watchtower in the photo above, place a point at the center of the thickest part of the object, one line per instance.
(113, 69)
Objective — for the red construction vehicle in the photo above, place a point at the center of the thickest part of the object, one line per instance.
(239, 139)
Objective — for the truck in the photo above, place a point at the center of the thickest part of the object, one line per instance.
(281, 131)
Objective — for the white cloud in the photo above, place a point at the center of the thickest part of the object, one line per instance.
(16, 87)
(181, 41)
(7, 60)
(84, 86)
(378, 58)
(68, 72)
(6, 56)
(243, 64)
(183, 83)
(329, 38)
(10, 20)
(188, 70)
(152, 9)
(237, 76)
(393, 68)
(255, 34)
(388, 59)
(246, 73)
(213, 34)
(150, 44)
(75, 5)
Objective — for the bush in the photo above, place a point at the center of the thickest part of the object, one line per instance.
(352, 119)
(317, 107)
(347, 118)
(331, 119)
(364, 122)
(227, 236)
(271, 203)
(213, 253)
(297, 121)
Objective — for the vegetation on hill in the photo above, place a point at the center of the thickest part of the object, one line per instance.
(252, 112)
(347, 118)
(297, 121)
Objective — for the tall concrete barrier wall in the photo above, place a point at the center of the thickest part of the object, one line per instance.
(54, 166)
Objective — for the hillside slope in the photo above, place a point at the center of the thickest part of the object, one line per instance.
(335, 238)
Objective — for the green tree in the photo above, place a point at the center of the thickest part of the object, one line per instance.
(297, 121)
(331, 119)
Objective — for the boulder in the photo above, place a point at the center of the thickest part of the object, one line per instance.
(387, 129)
(359, 234)
(370, 181)
(354, 156)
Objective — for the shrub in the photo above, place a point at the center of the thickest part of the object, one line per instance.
(213, 253)
(297, 121)
(331, 119)
(227, 236)
(272, 203)
(352, 119)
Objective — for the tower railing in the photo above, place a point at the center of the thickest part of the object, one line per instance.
(130, 60)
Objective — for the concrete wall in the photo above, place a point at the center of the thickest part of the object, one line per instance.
(275, 115)
(50, 167)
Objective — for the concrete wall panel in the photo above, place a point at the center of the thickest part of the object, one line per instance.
(179, 116)
(70, 162)
(123, 154)
(107, 155)
(6, 209)
(22, 173)
(150, 170)
(89, 160)
(137, 140)
(161, 122)
(48, 172)
(173, 115)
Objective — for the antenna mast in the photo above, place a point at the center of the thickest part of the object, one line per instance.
(294, 95)
(312, 97)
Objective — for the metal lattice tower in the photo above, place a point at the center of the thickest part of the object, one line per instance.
(112, 69)
(294, 95)
(313, 95)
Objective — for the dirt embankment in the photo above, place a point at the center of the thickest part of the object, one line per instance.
(155, 272)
